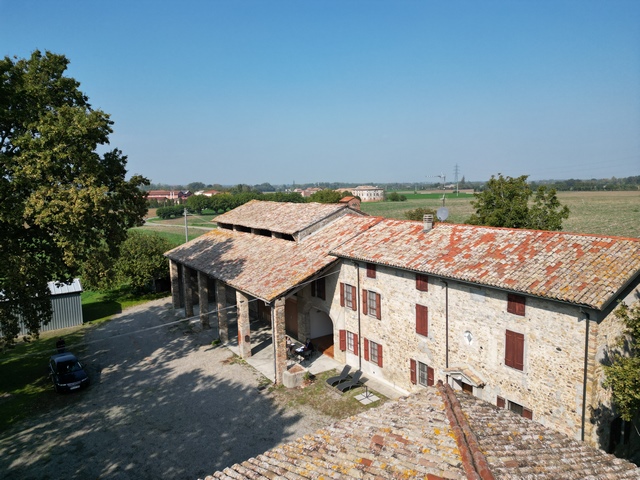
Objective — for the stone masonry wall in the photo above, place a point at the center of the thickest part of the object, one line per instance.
(551, 383)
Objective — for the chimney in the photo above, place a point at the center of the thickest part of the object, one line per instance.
(428, 222)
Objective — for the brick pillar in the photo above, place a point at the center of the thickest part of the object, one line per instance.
(223, 324)
(244, 329)
(188, 291)
(279, 337)
(203, 296)
(176, 291)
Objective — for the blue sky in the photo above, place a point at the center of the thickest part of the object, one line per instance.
(357, 91)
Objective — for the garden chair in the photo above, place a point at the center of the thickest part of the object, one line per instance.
(344, 375)
(348, 385)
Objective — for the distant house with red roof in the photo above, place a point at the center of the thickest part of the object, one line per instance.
(522, 319)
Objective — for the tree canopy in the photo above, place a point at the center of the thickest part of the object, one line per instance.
(61, 202)
(141, 260)
(505, 203)
(623, 375)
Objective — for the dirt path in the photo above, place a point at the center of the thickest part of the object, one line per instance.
(164, 403)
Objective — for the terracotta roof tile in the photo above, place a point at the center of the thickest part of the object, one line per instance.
(414, 438)
(280, 217)
(584, 269)
(266, 267)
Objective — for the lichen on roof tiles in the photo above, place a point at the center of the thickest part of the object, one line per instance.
(587, 269)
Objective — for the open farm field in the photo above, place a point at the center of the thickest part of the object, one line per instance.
(604, 213)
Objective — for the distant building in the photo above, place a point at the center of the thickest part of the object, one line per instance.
(368, 193)
(173, 195)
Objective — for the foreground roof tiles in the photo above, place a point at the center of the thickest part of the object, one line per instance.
(280, 217)
(267, 267)
(583, 269)
(435, 434)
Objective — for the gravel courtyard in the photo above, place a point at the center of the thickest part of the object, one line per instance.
(164, 403)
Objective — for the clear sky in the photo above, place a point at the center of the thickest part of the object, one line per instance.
(359, 91)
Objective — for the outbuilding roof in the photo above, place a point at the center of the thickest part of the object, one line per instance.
(434, 434)
(283, 217)
(267, 267)
(588, 270)
(57, 288)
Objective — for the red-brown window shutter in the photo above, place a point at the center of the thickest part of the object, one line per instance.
(379, 355)
(341, 294)
(515, 304)
(430, 376)
(412, 366)
(378, 311)
(526, 413)
(514, 350)
(500, 402)
(422, 282)
(422, 320)
(371, 270)
(343, 340)
(354, 299)
(355, 344)
(365, 302)
(366, 349)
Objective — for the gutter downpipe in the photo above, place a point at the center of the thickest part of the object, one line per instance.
(357, 265)
(446, 317)
(584, 377)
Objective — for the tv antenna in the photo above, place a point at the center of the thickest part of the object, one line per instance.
(443, 177)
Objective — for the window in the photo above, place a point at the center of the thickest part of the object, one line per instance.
(347, 296)
(373, 352)
(422, 320)
(352, 342)
(514, 350)
(371, 270)
(425, 375)
(515, 304)
(422, 282)
(318, 288)
(514, 407)
(371, 304)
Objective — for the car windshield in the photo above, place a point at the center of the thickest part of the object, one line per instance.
(69, 367)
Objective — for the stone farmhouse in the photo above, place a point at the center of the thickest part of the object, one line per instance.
(521, 319)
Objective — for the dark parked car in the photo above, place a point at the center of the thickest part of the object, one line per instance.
(67, 373)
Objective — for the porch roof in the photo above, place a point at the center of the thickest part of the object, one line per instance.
(267, 267)
(587, 270)
(282, 217)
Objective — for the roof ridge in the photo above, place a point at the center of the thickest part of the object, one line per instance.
(473, 460)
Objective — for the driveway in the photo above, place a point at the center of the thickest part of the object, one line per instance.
(164, 403)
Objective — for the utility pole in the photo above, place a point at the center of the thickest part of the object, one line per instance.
(186, 227)
(455, 173)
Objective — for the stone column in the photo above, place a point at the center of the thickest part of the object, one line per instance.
(279, 337)
(244, 329)
(223, 323)
(203, 296)
(188, 291)
(176, 291)
(304, 313)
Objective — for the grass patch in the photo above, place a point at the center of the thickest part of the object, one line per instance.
(325, 399)
(26, 388)
(102, 305)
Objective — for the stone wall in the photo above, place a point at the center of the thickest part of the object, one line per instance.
(551, 382)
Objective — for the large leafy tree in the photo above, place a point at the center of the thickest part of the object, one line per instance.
(505, 202)
(61, 202)
(141, 260)
(623, 374)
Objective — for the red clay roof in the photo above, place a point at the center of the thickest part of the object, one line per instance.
(267, 267)
(435, 434)
(280, 217)
(583, 269)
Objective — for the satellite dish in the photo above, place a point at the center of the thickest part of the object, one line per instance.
(442, 213)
